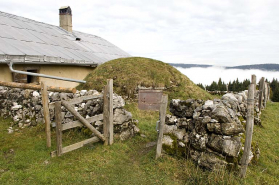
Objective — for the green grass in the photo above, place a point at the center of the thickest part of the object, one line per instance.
(25, 159)
(128, 73)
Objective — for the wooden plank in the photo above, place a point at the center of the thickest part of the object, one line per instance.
(83, 98)
(80, 144)
(82, 120)
(46, 112)
(37, 87)
(76, 146)
(58, 120)
(249, 131)
(163, 110)
(77, 123)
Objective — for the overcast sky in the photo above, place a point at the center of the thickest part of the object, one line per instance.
(216, 32)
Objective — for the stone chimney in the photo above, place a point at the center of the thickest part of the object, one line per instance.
(65, 18)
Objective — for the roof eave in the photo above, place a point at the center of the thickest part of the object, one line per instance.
(44, 60)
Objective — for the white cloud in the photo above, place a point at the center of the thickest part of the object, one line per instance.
(207, 75)
(220, 32)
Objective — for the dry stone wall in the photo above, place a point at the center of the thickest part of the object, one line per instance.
(211, 132)
(25, 108)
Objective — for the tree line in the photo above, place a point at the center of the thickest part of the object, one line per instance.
(237, 86)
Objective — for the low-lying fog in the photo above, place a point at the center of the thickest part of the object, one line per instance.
(207, 75)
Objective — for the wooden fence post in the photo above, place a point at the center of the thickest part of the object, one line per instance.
(58, 121)
(46, 112)
(265, 94)
(268, 93)
(163, 110)
(108, 112)
(254, 81)
(261, 87)
(249, 131)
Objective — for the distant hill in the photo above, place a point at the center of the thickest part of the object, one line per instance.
(190, 65)
(263, 67)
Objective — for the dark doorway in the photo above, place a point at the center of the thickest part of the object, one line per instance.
(30, 78)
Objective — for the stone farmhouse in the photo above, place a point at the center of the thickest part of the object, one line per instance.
(56, 51)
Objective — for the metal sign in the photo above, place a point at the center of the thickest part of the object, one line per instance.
(150, 99)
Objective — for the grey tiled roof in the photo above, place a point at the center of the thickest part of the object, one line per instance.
(26, 40)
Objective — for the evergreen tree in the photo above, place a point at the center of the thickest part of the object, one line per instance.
(275, 96)
(200, 85)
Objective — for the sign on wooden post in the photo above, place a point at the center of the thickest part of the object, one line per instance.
(46, 112)
(163, 110)
(249, 131)
(150, 99)
(108, 112)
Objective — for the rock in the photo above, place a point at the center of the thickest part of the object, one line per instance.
(83, 92)
(136, 129)
(55, 96)
(183, 108)
(206, 119)
(208, 160)
(10, 130)
(120, 116)
(126, 134)
(36, 94)
(228, 146)
(198, 141)
(179, 133)
(16, 107)
(38, 107)
(221, 114)
(118, 101)
(208, 105)
(171, 120)
(225, 128)
(181, 144)
(230, 96)
(169, 129)
(168, 141)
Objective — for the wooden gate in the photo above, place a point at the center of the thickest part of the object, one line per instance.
(107, 118)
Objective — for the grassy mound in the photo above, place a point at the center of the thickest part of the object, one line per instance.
(129, 73)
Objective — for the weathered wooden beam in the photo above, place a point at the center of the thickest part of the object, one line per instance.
(108, 112)
(79, 144)
(46, 112)
(82, 120)
(76, 146)
(84, 98)
(58, 120)
(163, 110)
(37, 87)
(249, 131)
(77, 123)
